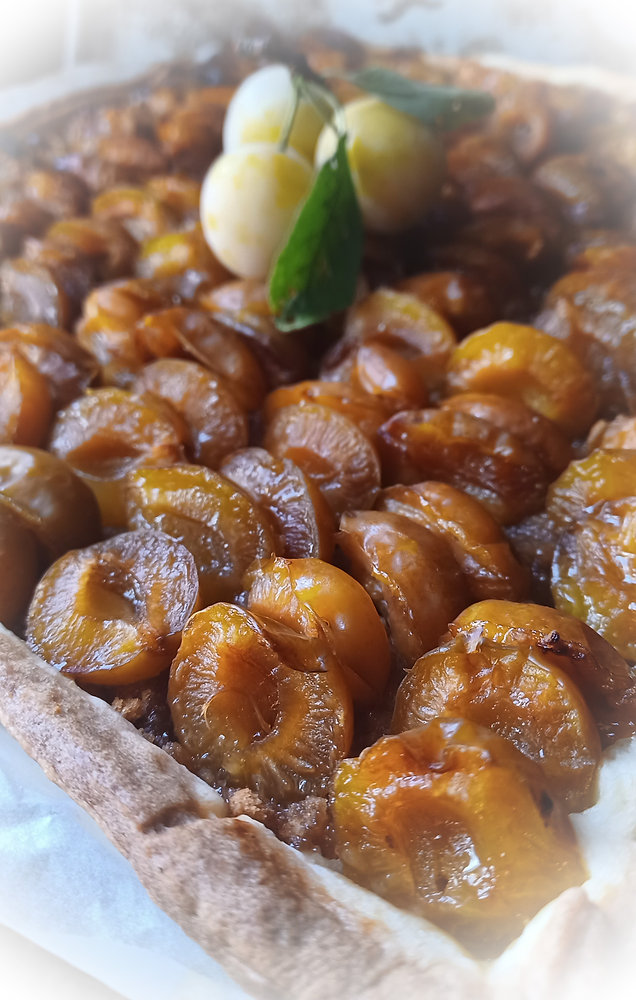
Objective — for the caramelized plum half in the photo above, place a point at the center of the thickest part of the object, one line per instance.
(219, 524)
(108, 432)
(217, 424)
(61, 509)
(527, 364)
(317, 599)
(19, 558)
(113, 613)
(517, 693)
(251, 713)
(26, 407)
(475, 538)
(409, 572)
(331, 450)
(451, 822)
(303, 521)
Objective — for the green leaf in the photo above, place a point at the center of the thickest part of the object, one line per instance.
(317, 272)
(444, 108)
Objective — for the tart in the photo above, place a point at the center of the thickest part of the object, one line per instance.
(313, 621)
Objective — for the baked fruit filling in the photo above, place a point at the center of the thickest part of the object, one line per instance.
(372, 579)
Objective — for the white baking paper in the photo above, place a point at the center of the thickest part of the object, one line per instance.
(65, 887)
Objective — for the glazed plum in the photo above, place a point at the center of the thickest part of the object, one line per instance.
(517, 693)
(183, 257)
(451, 822)
(405, 324)
(535, 431)
(409, 572)
(67, 367)
(603, 475)
(303, 521)
(472, 454)
(253, 715)
(593, 312)
(317, 599)
(474, 537)
(113, 613)
(107, 433)
(60, 509)
(368, 412)
(601, 673)
(26, 407)
(107, 327)
(615, 434)
(33, 293)
(594, 570)
(243, 306)
(222, 527)
(141, 212)
(181, 195)
(387, 375)
(462, 299)
(176, 331)
(20, 559)
(58, 192)
(110, 250)
(217, 425)
(526, 364)
(331, 450)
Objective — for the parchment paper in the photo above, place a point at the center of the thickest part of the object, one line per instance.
(65, 887)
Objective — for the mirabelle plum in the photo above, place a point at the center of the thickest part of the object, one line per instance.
(20, 564)
(60, 509)
(259, 110)
(66, 366)
(331, 450)
(601, 673)
(517, 693)
(220, 525)
(315, 598)
(216, 423)
(26, 409)
(409, 572)
(251, 712)
(249, 200)
(604, 474)
(397, 164)
(474, 455)
(106, 433)
(113, 613)
(451, 822)
(594, 573)
(475, 538)
(303, 521)
(526, 364)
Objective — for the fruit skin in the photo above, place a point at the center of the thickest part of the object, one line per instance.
(211, 516)
(397, 164)
(20, 560)
(517, 693)
(258, 705)
(113, 613)
(249, 200)
(315, 598)
(258, 113)
(410, 574)
(451, 822)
